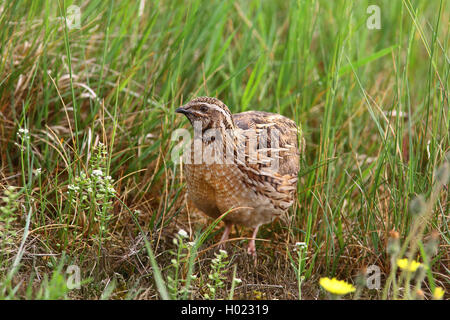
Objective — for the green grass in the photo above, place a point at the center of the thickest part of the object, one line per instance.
(372, 104)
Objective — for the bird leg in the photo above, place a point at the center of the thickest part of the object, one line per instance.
(225, 235)
(251, 245)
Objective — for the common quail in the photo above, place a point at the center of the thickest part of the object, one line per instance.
(245, 165)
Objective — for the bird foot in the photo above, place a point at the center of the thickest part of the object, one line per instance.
(251, 250)
(222, 246)
(225, 236)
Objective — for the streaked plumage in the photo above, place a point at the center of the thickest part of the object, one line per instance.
(251, 187)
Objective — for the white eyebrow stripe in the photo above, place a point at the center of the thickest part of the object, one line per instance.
(213, 106)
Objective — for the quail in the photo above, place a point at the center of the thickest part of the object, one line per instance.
(243, 166)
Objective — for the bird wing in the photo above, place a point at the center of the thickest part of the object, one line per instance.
(273, 125)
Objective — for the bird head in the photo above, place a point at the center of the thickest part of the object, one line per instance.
(210, 112)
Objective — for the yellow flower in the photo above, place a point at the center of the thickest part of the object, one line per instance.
(407, 265)
(335, 286)
(438, 293)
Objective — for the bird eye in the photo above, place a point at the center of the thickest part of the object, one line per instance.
(203, 108)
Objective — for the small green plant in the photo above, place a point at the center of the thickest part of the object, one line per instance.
(7, 217)
(217, 274)
(178, 282)
(299, 264)
(234, 282)
(91, 194)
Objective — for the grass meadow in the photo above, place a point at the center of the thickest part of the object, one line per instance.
(92, 205)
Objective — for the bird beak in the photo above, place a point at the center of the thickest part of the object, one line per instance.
(183, 110)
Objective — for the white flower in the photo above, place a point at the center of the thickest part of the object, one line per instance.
(97, 172)
(182, 233)
(300, 245)
(73, 187)
(237, 280)
(111, 190)
(23, 134)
